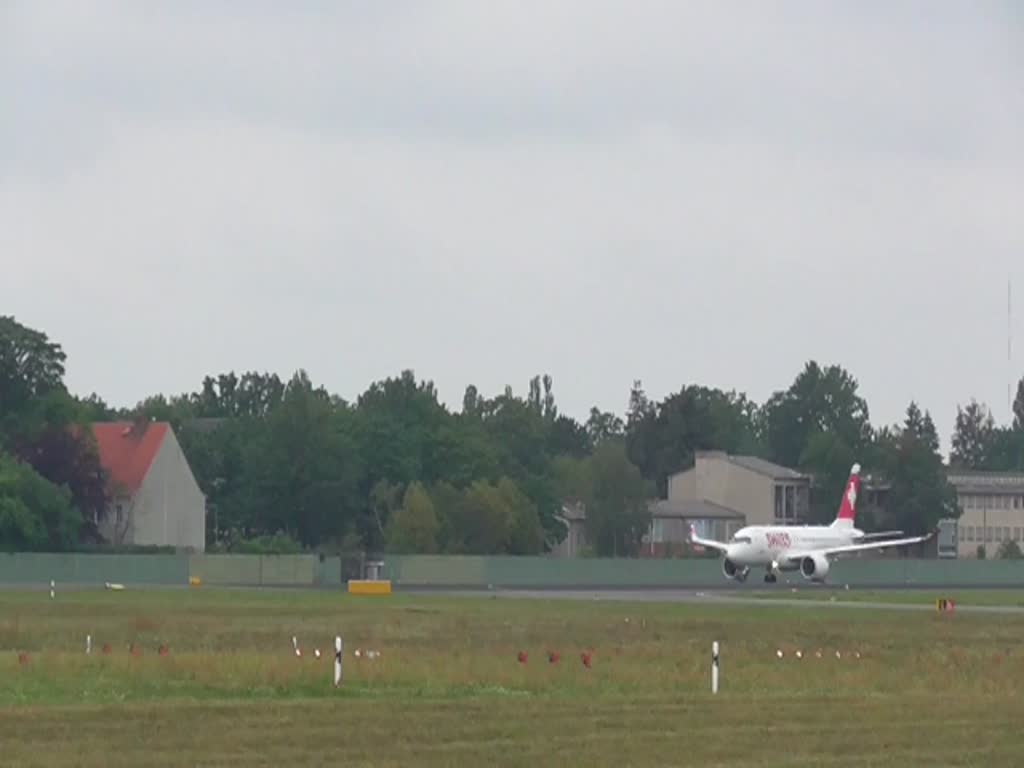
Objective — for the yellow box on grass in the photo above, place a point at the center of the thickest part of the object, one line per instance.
(368, 587)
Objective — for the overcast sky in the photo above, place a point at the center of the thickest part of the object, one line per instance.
(675, 192)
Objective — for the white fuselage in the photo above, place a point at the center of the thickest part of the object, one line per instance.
(769, 545)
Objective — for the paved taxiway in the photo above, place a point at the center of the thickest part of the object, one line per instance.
(710, 597)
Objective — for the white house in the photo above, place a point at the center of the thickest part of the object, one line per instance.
(155, 497)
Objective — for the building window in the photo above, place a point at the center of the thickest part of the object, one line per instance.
(778, 502)
(803, 502)
(1016, 502)
(1016, 533)
(988, 533)
(968, 533)
(657, 533)
(790, 511)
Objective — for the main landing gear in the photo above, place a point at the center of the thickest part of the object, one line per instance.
(770, 578)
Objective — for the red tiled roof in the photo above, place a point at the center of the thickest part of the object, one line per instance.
(127, 450)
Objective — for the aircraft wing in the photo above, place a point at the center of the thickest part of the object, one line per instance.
(879, 535)
(709, 543)
(842, 550)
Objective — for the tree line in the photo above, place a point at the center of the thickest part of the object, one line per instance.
(287, 465)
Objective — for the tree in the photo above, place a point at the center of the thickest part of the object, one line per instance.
(462, 451)
(414, 527)
(31, 369)
(572, 478)
(820, 400)
(94, 408)
(34, 513)
(483, 525)
(616, 515)
(303, 472)
(67, 456)
(1005, 451)
(385, 501)
(398, 421)
(525, 534)
(45, 427)
(253, 394)
(602, 426)
(1018, 407)
(1009, 550)
(521, 436)
(567, 437)
(920, 495)
(973, 437)
(662, 439)
(821, 425)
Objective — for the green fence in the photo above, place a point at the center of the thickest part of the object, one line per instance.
(410, 571)
(34, 568)
(525, 572)
(255, 570)
(468, 571)
(923, 573)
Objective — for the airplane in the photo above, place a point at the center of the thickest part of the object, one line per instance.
(807, 548)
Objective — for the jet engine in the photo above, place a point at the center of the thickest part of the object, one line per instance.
(731, 571)
(814, 567)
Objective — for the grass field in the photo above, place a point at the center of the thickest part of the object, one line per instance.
(962, 597)
(448, 689)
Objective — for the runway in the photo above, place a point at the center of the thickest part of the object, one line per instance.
(709, 597)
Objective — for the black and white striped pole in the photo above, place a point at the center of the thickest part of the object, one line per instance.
(337, 661)
(714, 667)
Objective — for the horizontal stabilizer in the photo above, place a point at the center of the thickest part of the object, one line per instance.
(879, 535)
(709, 543)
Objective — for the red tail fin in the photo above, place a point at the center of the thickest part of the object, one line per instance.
(848, 504)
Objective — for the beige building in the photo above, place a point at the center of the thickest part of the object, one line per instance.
(719, 495)
(993, 510)
(155, 497)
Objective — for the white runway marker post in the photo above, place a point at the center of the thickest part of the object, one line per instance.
(714, 667)
(337, 661)
(52, 587)
(88, 644)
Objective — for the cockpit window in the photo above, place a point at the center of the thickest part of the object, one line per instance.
(740, 539)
